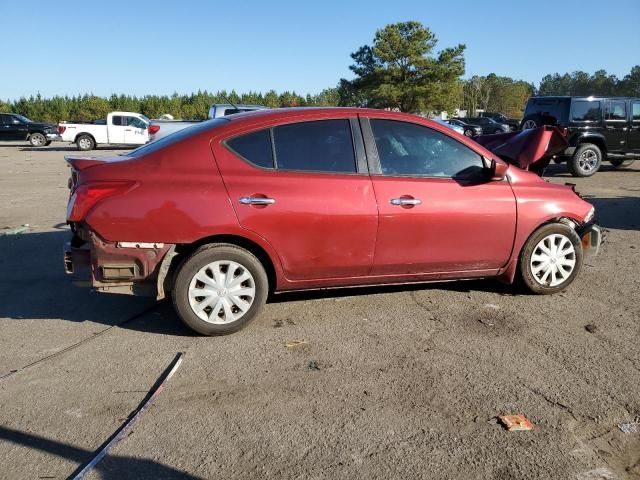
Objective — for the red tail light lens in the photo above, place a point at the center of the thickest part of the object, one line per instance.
(61, 129)
(86, 196)
(153, 129)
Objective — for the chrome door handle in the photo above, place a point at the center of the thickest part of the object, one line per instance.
(257, 201)
(405, 201)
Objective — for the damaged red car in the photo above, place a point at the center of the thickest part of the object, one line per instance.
(222, 214)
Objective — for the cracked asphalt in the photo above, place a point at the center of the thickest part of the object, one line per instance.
(392, 382)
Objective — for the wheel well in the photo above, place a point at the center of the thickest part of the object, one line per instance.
(598, 142)
(183, 250)
(84, 133)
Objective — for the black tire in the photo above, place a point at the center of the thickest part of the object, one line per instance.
(37, 139)
(532, 121)
(48, 143)
(201, 258)
(586, 160)
(534, 280)
(85, 143)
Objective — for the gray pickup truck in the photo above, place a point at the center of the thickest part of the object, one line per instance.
(161, 128)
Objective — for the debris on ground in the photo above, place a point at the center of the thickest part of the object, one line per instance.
(515, 423)
(591, 328)
(295, 343)
(485, 322)
(313, 365)
(24, 228)
(630, 427)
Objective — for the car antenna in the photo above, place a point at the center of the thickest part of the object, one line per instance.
(232, 104)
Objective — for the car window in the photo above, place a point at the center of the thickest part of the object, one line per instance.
(117, 120)
(254, 147)
(635, 111)
(617, 110)
(552, 110)
(135, 122)
(585, 111)
(410, 149)
(3, 119)
(321, 146)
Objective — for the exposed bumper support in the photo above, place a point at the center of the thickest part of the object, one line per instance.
(592, 237)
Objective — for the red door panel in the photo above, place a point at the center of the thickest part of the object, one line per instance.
(323, 225)
(456, 227)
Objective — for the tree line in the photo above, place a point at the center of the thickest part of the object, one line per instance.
(400, 70)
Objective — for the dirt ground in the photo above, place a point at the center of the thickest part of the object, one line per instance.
(393, 382)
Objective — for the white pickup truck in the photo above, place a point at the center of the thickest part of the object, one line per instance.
(121, 128)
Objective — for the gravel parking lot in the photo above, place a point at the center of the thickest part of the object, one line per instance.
(393, 382)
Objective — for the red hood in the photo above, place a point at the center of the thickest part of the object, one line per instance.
(526, 147)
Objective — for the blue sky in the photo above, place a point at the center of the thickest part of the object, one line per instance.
(158, 47)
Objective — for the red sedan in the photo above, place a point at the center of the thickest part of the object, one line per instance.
(221, 214)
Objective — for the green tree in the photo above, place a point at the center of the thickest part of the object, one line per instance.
(400, 70)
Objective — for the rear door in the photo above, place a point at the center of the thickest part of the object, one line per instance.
(305, 189)
(4, 127)
(616, 123)
(438, 214)
(116, 128)
(136, 132)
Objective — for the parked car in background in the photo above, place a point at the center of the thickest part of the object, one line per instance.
(597, 129)
(468, 129)
(514, 124)
(162, 128)
(18, 127)
(225, 212)
(452, 126)
(488, 125)
(120, 128)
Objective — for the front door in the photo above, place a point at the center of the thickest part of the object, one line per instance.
(634, 128)
(616, 125)
(136, 132)
(438, 213)
(299, 187)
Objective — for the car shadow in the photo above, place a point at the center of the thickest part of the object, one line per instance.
(621, 213)
(561, 170)
(112, 466)
(33, 285)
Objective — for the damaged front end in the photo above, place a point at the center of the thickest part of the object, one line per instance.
(531, 149)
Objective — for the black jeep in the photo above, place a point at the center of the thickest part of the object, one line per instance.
(597, 128)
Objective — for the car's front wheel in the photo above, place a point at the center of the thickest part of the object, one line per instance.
(551, 259)
(219, 289)
(468, 132)
(37, 139)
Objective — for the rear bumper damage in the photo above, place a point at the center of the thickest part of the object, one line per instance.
(117, 267)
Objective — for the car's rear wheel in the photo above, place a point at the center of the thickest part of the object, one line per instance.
(531, 122)
(37, 139)
(586, 160)
(85, 142)
(219, 289)
(551, 259)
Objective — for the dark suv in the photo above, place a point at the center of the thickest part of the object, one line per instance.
(597, 128)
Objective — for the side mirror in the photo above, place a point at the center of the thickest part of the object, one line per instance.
(498, 170)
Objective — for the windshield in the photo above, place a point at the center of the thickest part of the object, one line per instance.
(178, 136)
(145, 118)
(22, 118)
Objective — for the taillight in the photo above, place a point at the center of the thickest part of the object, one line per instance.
(61, 129)
(153, 129)
(86, 196)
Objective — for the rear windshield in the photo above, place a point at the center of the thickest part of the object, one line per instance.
(178, 136)
(552, 110)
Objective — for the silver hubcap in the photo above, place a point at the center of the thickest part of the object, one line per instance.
(85, 143)
(588, 160)
(529, 124)
(37, 139)
(553, 260)
(222, 292)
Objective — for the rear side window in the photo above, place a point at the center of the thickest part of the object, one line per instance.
(617, 110)
(551, 110)
(635, 111)
(118, 120)
(320, 146)
(254, 147)
(410, 149)
(586, 111)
